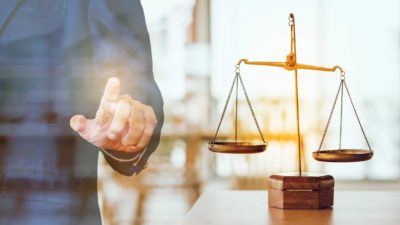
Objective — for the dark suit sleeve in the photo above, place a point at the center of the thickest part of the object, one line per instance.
(121, 47)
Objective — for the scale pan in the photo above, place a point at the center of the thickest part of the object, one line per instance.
(236, 147)
(343, 155)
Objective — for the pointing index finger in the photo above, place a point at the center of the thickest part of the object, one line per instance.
(109, 98)
(111, 91)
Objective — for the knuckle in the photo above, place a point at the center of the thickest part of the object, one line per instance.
(140, 105)
(127, 141)
(134, 101)
(141, 126)
(117, 125)
(151, 115)
(142, 146)
(150, 108)
(123, 101)
(148, 132)
(106, 105)
(123, 109)
(137, 131)
(114, 129)
(153, 123)
(143, 143)
(126, 97)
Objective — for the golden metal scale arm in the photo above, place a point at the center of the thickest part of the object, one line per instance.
(261, 63)
(290, 65)
(320, 68)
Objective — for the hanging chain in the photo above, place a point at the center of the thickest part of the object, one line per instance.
(358, 119)
(237, 74)
(341, 113)
(251, 108)
(330, 116)
(226, 105)
(236, 81)
(340, 90)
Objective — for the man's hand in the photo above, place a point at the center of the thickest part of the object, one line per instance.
(121, 123)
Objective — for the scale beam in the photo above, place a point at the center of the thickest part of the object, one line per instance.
(291, 58)
(288, 65)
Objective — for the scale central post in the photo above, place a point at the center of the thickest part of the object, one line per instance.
(291, 61)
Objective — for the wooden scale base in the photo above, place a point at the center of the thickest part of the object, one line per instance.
(308, 191)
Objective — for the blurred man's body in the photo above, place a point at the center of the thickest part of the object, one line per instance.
(55, 58)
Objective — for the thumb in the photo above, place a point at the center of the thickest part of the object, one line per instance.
(79, 123)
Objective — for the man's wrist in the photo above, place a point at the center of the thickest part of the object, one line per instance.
(123, 157)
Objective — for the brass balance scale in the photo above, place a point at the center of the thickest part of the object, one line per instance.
(299, 190)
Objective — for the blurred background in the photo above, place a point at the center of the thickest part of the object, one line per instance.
(195, 45)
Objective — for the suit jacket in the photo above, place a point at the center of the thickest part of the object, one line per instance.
(55, 56)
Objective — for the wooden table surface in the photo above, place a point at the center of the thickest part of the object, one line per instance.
(250, 208)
